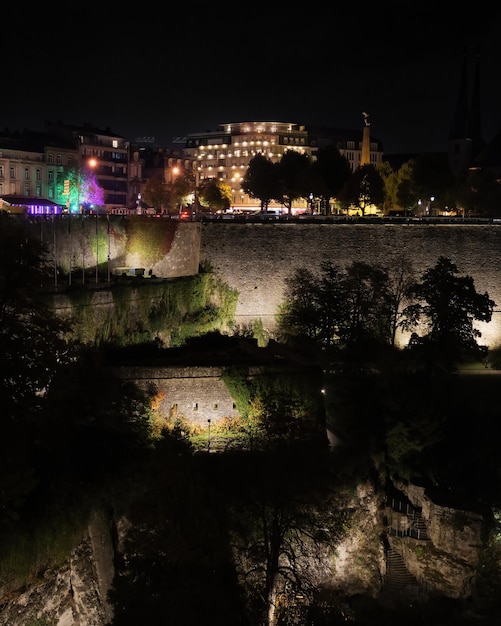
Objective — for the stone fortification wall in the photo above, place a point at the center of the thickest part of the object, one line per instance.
(166, 248)
(255, 259)
(196, 394)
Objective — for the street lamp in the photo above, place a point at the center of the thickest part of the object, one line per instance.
(109, 247)
(97, 248)
(208, 436)
(173, 174)
(91, 163)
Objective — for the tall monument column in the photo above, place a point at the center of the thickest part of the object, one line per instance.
(366, 142)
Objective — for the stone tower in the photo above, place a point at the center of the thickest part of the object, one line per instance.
(366, 142)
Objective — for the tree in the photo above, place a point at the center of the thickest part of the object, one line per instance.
(447, 307)
(33, 348)
(260, 180)
(364, 187)
(335, 308)
(182, 189)
(32, 339)
(401, 278)
(156, 193)
(293, 174)
(298, 315)
(333, 170)
(398, 186)
(84, 190)
(215, 194)
(432, 178)
(368, 305)
(283, 517)
(481, 194)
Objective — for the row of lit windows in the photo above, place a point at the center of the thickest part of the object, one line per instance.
(26, 190)
(27, 173)
(241, 154)
(50, 159)
(215, 406)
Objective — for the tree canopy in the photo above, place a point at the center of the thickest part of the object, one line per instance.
(447, 307)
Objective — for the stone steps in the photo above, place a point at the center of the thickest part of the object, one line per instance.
(398, 581)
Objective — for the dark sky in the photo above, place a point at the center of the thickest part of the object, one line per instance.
(181, 69)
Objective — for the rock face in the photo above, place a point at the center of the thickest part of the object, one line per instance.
(443, 562)
(73, 595)
(439, 545)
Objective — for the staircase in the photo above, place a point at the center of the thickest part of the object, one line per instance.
(398, 582)
(416, 527)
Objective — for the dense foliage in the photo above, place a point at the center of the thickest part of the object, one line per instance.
(359, 309)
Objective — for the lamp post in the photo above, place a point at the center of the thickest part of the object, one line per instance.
(54, 246)
(208, 436)
(109, 248)
(91, 163)
(173, 175)
(97, 248)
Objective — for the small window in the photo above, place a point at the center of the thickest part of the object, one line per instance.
(216, 406)
(195, 406)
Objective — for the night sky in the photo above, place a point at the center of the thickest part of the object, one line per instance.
(184, 69)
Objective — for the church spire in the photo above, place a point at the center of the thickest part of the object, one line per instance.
(475, 110)
(465, 139)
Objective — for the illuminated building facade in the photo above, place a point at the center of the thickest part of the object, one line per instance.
(111, 155)
(29, 166)
(225, 154)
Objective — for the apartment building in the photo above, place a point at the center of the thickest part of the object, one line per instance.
(109, 152)
(32, 166)
(30, 163)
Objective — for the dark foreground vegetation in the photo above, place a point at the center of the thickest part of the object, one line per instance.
(210, 531)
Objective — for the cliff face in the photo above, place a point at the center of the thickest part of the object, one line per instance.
(440, 545)
(77, 593)
(73, 595)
